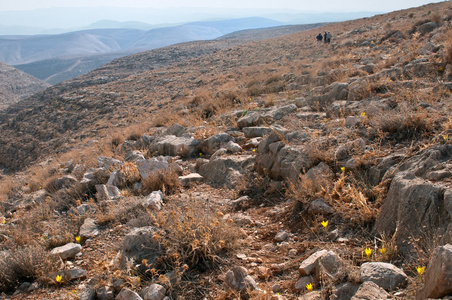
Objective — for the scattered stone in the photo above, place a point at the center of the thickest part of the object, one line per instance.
(153, 292)
(242, 220)
(281, 236)
(134, 156)
(252, 132)
(276, 288)
(67, 251)
(107, 192)
(301, 283)
(108, 163)
(250, 119)
(238, 280)
(74, 274)
(320, 207)
(315, 295)
(232, 147)
(104, 293)
(127, 294)
(370, 291)
(215, 142)
(385, 275)
(438, 276)
(329, 267)
(344, 290)
(240, 203)
(153, 201)
(140, 244)
(263, 272)
(189, 179)
(88, 294)
(308, 265)
(175, 146)
(89, 229)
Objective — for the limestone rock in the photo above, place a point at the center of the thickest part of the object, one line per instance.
(250, 119)
(232, 147)
(153, 292)
(175, 146)
(187, 180)
(148, 167)
(385, 275)
(320, 207)
(88, 293)
(89, 229)
(109, 163)
(140, 244)
(308, 265)
(302, 282)
(67, 251)
(281, 236)
(238, 280)
(252, 132)
(227, 170)
(438, 276)
(134, 156)
(344, 291)
(127, 294)
(107, 192)
(370, 291)
(153, 201)
(215, 142)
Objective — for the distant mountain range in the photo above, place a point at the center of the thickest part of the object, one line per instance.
(55, 58)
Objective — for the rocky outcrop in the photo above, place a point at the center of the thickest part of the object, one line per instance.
(140, 244)
(385, 275)
(227, 170)
(418, 204)
(438, 276)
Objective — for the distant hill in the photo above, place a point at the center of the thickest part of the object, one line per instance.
(55, 58)
(16, 85)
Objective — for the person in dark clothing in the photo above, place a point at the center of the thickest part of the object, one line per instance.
(324, 37)
(319, 39)
(328, 37)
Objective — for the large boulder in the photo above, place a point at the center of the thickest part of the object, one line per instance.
(210, 145)
(172, 145)
(147, 167)
(385, 275)
(418, 203)
(227, 170)
(141, 243)
(438, 276)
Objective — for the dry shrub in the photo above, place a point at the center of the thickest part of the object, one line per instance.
(448, 54)
(166, 181)
(195, 235)
(348, 200)
(135, 132)
(205, 132)
(273, 84)
(117, 140)
(403, 125)
(23, 264)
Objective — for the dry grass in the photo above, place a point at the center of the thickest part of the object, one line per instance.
(195, 235)
(23, 264)
(166, 181)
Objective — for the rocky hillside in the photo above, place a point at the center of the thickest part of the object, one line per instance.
(276, 169)
(16, 85)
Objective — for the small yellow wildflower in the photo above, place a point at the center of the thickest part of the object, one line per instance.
(58, 278)
(139, 279)
(74, 291)
(78, 239)
(325, 223)
(368, 252)
(309, 287)
(254, 150)
(420, 270)
(200, 154)
(363, 114)
(343, 169)
(445, 137)
(382, 251)
(4, 221)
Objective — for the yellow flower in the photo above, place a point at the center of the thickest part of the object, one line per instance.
(325, 223)
(445, 137)
(139, 279)
(363, 114)
(343, 169)
(4, 221)
(200, 154)
(382, 251)
(58, 278)
(254, 150)
(368, 252)
(78, 239)
(309, 287)
(74, 291)
(420, 270)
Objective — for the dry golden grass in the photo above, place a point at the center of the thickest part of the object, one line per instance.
(166, 181)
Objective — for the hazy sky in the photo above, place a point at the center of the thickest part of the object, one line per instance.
(300, 5)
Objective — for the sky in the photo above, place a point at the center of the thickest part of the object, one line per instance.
(299, 5)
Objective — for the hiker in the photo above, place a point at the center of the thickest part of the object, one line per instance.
(324, 37)
(319, 39)
(328, 37)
